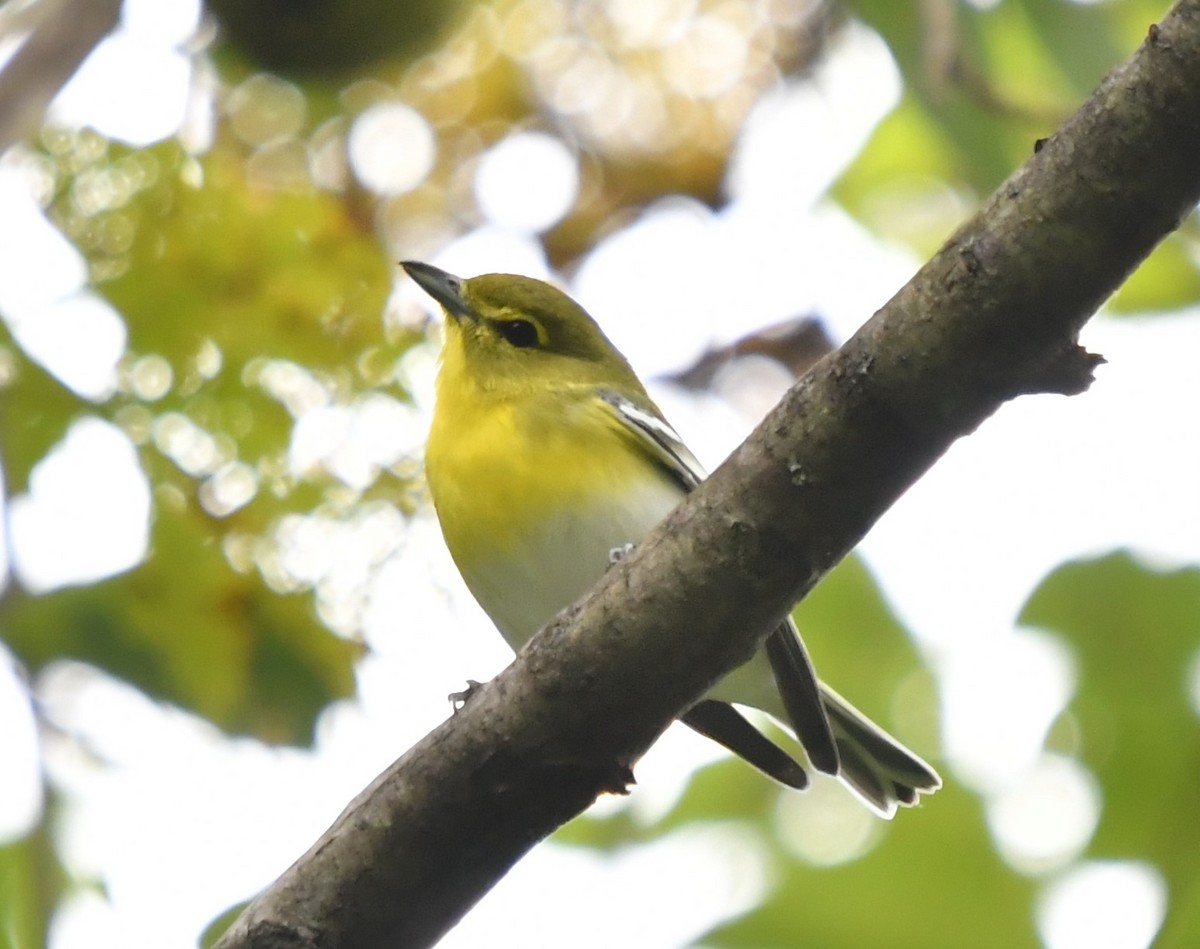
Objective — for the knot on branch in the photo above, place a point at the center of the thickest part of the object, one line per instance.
(1068, 370)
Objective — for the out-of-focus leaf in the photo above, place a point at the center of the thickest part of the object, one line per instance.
(985, 78)
(288, 273)
(933, 882)
(1087, 40)
(727, 790)
(606, 833)
(215, 283)
(903, 184)
(862, 650)
(981, 86)
(184, 627)
(1020, 68)
(216, 929)
(1031, 57)
(35, 410)
(219, 278)
(31, 883)
(1135, 635)
(332, 36)
(1168, 279)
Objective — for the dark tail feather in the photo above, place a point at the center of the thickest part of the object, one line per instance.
(800, 691)
(875, 765)
(725, 725)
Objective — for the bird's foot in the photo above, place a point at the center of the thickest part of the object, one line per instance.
(617, 554)
(459, 699)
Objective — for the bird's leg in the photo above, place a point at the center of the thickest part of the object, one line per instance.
(458, 700)
(617, 554)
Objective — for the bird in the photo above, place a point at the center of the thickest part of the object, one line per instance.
(546, 455)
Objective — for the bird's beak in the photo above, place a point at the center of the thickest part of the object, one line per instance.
(444, 287)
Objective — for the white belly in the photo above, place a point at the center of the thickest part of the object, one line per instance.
(566, 558)
(562, 560)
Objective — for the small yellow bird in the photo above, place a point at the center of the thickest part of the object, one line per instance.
(546, 455)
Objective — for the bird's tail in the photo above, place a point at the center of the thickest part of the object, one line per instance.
(873, 764)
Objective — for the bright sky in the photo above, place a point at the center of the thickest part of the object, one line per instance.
(1047, 479)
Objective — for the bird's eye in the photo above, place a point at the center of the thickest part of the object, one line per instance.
(519, 333)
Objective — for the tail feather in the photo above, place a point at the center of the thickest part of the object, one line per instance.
(799, 691)
(838, 739)
(874, 765)
(725, 725)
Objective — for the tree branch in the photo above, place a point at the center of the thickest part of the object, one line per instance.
(65, 34)
(995, 314)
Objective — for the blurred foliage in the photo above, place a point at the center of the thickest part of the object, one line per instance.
(252, 268)
(31, 882)
(934, 882)
(219, 285)
(216, 929)
(333, 36)
(184, 627)
(1135, 635)
(981, 87)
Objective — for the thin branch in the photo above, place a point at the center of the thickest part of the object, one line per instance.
(995, 314)
(66, 32)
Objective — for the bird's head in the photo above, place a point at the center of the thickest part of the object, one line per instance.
(509, 330)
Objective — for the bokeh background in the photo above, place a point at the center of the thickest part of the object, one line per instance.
(227, 606)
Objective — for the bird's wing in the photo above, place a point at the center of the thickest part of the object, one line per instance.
(656, 437)
(792, 669)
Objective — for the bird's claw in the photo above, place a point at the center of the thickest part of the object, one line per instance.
(458, 700)
(617, 554)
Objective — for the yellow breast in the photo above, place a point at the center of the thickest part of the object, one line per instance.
(532, 502)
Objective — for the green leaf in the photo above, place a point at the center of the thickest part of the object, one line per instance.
(216, 278)
(862, 650)
(294, 273)
(984, 77)
(1167, 280)
(933, 881)
(1134, 633)
(1087, 40)
(31, 883)
(185, 627)
(902, 185)
(35, 412)
(216, 929)
(981, 86)
(335, 36)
